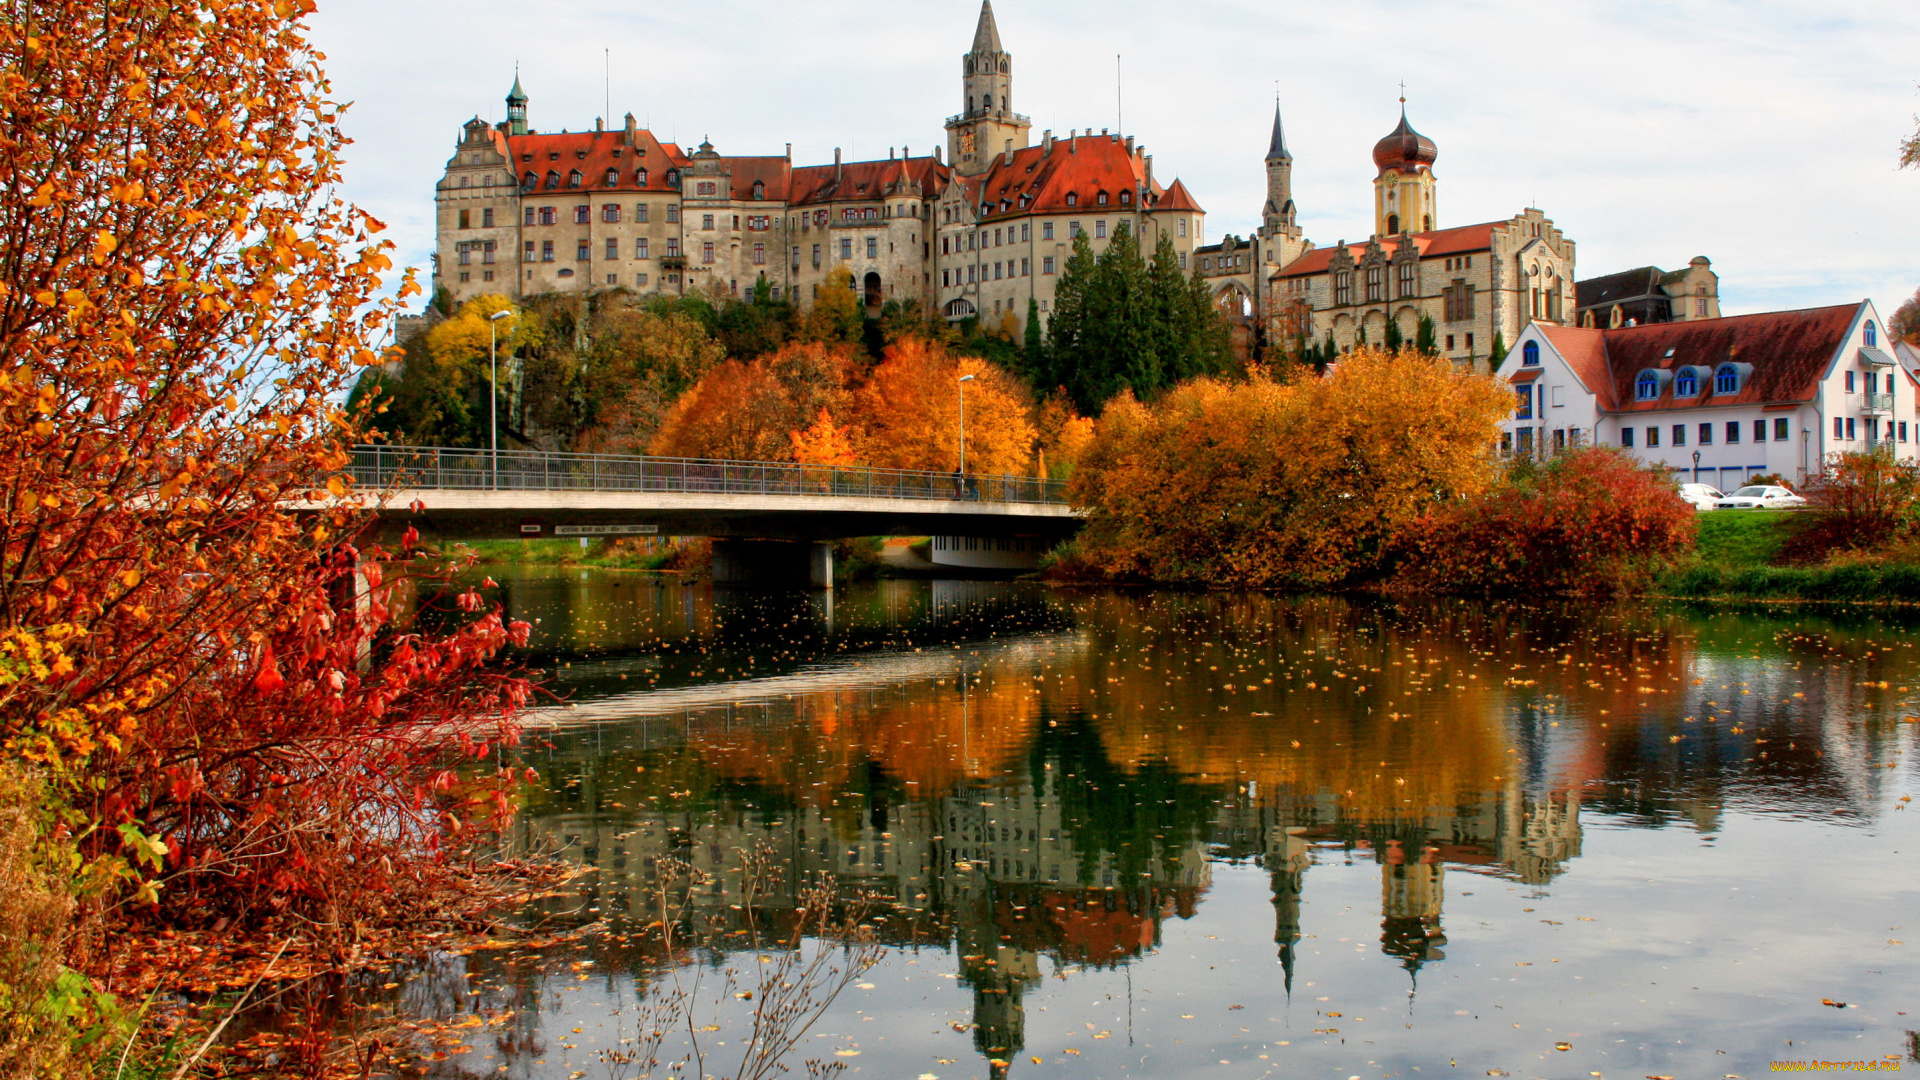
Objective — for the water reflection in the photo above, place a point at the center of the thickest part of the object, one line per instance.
(1042, 784)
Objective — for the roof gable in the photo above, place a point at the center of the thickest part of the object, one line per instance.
(1789, 351)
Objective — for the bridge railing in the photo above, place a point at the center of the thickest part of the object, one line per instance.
(532, 470)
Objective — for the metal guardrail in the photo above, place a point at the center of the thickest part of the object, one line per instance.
(454, 469)
(1879, 403)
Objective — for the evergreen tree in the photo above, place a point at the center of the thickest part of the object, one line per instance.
(1426, 340)
(1329, 353)
(1393, 339)
(1033, 356)
(1499, 351)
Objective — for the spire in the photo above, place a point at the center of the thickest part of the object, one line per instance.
(516, 106)
(986, 37)
(1277, 147)
(516, 96)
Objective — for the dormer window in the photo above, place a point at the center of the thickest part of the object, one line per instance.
(673, 179)
(613, 177)
(640, 177)
(1646, 387)
(553, 179)
(1530, 354)
(1726, 380)
(1073, 199)
(529, 181)
(553, 155)
(574, 178)
(1101, 199)
(1126, 198)
(581, 154)
(759, 189)
(1872, 335)
(526, 157)
(1686, 383)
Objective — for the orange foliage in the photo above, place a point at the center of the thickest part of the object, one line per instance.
(748, 410)
(183, 302)
(824, 443)
(911, 406)
(1266, 484)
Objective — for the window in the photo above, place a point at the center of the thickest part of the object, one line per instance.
(465, 256)
(706, 251)
(673, 213)
(553, 179)
(673, 247)
(759, 223)
(1046, 265)
(706, 222)
(640, 248)
(486, 254)
(816, 256)
(610, 213)
(1026, 267)
(486, 275)
(873, 247)
(1180, 226)
(1700, 307)
(1903, 431)
(549, 215)
(640, 212)
(1733, 431)
(1449, 342)
(1046, 230)
(996, 237)
(582, 214)
(846, 248)
(1653, 437)
(546, 251)
(736, 223)
(486, 218)
(1073, 199)
(1850, 429)
(1646, 388)
(612, 178)
(1706, 435)
(1679, 435)
(1525, 410)
(946, 279)
(1685, 384)
(1849, 382)
(465, 223)
(529, 255)
(640, 177)
(1759, 432)
(1781, 429)
(972, 274)
(1407, 270)
(526, 216)
(1374, 283)
(574, 178)
(529, 182)
(1726, 380)
(759, 254)
(1099, 230)
(1026, 231)
(639, 279)
(704, 187)
(1101, 198)
(1469, 339)
(1183, 260)
(1872, 335)
(613, 248)
(1626, 437)
(1343, 288)
(581, 251)
(1530, 354)
(1839, 428)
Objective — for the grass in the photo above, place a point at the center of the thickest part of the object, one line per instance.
(606, 554)
(1734, 554)
(1741, 538)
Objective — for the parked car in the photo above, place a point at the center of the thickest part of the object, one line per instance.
(1700, 496)
(1761, 497)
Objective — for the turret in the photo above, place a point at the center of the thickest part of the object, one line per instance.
(988, 124)
(1279, 214)
(516, 108)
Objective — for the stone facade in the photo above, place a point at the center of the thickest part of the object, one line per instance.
(982, 232)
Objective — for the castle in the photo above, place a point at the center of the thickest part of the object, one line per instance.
(985, 230)
(982, 231)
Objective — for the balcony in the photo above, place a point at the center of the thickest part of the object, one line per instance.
(1878, 403)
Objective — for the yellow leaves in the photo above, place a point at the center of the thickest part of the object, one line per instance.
(337, 487)
(104, 245)
(42, 195)
(193, 117)
(28, 501)
(46, 297)
(130, 578)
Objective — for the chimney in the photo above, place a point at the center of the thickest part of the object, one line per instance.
(936, 153)
(1046, 143)
(1073, 145)
(1129, 146)
(1009, 151)
(631, 131)
(599, 126)
(1103, 134)
(1149, 158)
(836, 165)
(889, 153)
(789, 151)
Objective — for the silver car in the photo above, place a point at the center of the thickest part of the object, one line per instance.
(1761, 497)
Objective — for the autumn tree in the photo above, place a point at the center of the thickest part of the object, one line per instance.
(748, 410)
(1905, 324)
(836, 314)
(437, 393)
(910, 407)
(198, 658)
(1264, 484)
(824, 442)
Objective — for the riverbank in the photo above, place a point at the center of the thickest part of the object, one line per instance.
(1736, 557)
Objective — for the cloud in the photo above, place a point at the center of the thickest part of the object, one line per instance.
(1761, 134)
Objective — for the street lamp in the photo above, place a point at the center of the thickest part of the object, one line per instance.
(961, 388)
(493, 397)
(1696, 466)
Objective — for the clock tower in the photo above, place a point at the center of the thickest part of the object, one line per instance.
(989, 125)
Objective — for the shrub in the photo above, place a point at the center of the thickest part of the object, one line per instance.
(1589, 521)
(1295, 485)
(1863, 500)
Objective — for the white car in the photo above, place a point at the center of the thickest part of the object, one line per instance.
(1700, 496)
(1761, 497)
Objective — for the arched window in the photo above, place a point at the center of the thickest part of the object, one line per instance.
(574, 178)
(613, 178)
(986, 101)
(553, 179)
(1873, 336)
(1426, 223)
(1647, 387)
(1530, 354)
(1726, 380)
(1686, 384)
(1393, 224)
(759, 189)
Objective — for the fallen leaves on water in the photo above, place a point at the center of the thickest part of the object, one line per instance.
(1835, 1004)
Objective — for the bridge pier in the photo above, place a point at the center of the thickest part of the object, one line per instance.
(778, 563)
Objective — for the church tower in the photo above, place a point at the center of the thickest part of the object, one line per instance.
(516, 108)
(1279, 216)
(1403, 196)
(989, 125)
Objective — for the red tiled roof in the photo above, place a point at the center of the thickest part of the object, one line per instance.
(774, 172)
(1460, 241)
(646, 152)
(1789, 351)
(1585, 351)
(1037, 181)
(867, 181)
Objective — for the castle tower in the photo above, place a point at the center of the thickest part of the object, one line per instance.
(1403, 196)
(989, 125)
(516, 108)
(1279, 215)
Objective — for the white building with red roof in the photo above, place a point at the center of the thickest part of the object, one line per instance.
(1717, 400)
(982, 231)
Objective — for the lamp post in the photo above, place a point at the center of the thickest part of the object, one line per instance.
(493, 397)
(961, 387)
(1696, 466)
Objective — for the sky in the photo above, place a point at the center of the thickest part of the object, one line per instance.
(1760, 134)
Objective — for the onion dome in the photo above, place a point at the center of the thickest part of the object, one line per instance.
(1404, 149)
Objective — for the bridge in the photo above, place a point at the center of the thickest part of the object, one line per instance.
(769, 520)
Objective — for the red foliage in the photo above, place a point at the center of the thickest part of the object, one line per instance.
(1590, 521)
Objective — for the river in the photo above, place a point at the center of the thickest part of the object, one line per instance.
(1164, 835)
